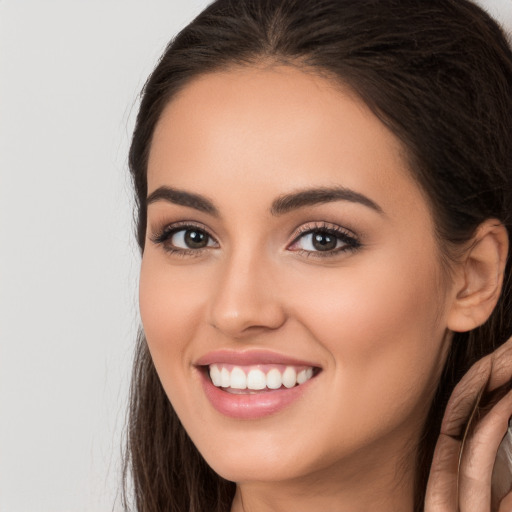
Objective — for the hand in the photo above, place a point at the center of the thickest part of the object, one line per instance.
(473, 428)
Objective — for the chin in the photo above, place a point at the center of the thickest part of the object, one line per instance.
(251, 468)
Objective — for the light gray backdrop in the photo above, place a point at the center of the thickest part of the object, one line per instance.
(70, 72)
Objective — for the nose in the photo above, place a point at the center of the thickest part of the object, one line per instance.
(246, 299)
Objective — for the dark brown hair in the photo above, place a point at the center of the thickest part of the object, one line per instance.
(438, 73)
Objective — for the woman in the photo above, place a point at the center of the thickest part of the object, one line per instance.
(323, 192)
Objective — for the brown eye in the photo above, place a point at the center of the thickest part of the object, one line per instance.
(192, 238)
(322, 241)
(195, 239)
(185, 239)
(325, 241)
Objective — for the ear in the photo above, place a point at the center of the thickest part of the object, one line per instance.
(479, 277)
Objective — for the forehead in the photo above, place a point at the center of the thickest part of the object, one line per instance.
(264, 130)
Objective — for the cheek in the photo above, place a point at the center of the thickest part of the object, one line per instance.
(170, 307)
(383, 326)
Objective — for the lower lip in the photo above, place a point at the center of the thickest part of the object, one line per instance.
(251, 406)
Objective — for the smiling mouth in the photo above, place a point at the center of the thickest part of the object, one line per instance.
(237, 379)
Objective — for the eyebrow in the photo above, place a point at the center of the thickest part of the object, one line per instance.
(183, 198)
(280, 206)
(311, 197)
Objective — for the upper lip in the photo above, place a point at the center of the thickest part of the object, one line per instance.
(250, 357)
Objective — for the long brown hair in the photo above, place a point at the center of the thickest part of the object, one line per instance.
(439, 75)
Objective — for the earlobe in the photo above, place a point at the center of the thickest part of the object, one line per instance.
(480, 277)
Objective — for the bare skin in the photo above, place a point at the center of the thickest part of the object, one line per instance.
(373, 313)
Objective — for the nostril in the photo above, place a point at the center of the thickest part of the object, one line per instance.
(244, 302)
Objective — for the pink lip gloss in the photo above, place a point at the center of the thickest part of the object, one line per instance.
(250, 405)
(232, 397)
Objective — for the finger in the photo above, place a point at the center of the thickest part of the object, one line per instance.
(442, 487)
(502, 471)
(506, 503)
(478, 456)
(466, 397)
(490, 372)
(501, 366)
(441, 494)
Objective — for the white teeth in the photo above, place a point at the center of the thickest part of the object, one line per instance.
(238, 378)
(225, 378)
(254, 378)
(215, 375)
(301, 377)
(274, 379)
(306, 375)
(289, 377)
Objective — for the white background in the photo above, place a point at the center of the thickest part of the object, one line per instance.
(70, 73)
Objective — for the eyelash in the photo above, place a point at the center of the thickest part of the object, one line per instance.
(162, 237)
(349, 240)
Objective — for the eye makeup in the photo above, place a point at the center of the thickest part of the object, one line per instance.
(184, 238)
(317, 239)
(323, 240)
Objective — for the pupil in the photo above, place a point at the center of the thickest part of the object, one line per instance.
(324, 241)
(196, 239)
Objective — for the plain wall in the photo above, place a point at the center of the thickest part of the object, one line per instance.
(70, 73)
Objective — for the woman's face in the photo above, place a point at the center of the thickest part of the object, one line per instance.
(289, 250)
